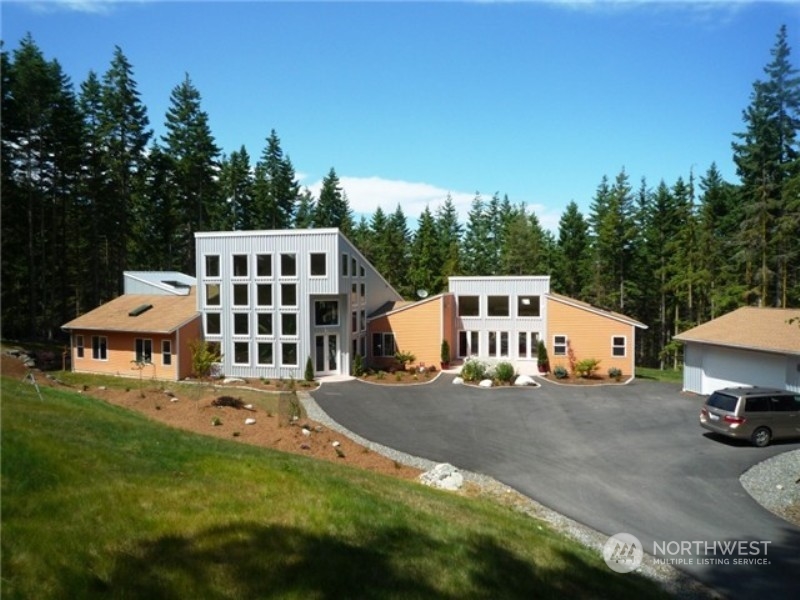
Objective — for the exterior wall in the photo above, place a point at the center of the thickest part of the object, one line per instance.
(417, 329)
(589, 336)
(793, 373)
(449, 323)
(716, 367)
(183, 340)
(121, 352)
(360, 290)
(512, 326)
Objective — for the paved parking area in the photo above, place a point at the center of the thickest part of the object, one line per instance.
(616, 458)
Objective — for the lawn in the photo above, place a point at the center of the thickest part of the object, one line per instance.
(100, 502)
(668, 375)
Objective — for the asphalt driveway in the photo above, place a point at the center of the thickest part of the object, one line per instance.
(617, 458)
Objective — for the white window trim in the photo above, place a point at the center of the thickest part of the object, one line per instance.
(280, 293)
(488, 306)
(282, 275)
(271, 294)
(205, 323)
(289, 336)
(271, 275)
(258, 359)
(470, 350)
(264, 336)
(310, 262)
(624, 346)
(233, 294)
(249, 352)
(233, 324)
(206, 303)
(206, 274)
(458, 306)
(235, 277)
(565, 344)
(135, 340)
(520, 297)
(295, 364)
(100, 337)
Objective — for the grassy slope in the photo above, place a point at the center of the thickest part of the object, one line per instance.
(100, 502)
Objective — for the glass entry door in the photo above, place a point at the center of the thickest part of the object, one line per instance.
(326, 353)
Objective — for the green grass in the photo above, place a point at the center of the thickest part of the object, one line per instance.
(667, 375)
(99, 502)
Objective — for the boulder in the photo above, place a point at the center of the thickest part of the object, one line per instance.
(458, 380)
(233, 380)
(443, 476)
(249, 421)
(524, 380)
(486, 383)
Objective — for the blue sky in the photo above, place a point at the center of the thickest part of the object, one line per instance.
(412, 101)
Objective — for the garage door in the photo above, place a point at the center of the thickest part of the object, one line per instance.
(724, 367)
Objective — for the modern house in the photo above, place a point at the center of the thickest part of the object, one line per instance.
(147, 330)
(747, 347)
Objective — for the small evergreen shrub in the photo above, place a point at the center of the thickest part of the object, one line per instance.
(380, 375)
(473, 370)
(542, 360)
(560, 372)
(309, 374)
(358, 366)
(505, 372)
(615, 373)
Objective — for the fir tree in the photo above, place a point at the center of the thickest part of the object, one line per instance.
(573, 253)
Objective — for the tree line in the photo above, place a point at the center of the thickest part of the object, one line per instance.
(88, 191)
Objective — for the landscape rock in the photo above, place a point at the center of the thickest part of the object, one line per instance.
(249, 421)
(443, 476)
(458, 381)
(486, 383)
(173, 399)
(306, 432)
(524, 380)
(233, 380)
(336, 444)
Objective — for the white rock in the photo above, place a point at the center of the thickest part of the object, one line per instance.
(306, 432)
(248, 406)
(779, 486)
(249, 421)
(486, 383)
(336, 444)
(458, 380)
(232, 380)
(173, 399)
(524, 380)
(444, 477)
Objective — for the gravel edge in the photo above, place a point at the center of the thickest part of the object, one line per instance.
(672, 580)
(775, 483)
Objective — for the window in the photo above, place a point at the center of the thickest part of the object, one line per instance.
(527, 345)
(241, 353)
(99, 347)
(498, 343)
(264, 324)
(240, 265)
(786, 403)
(166, 352)
(354, 324)
(319, 264)
(345, 262)
(361, 271)
(363, 291)
(78, 346)
(241, 324)
(497, 306)
(362, 345)
(353, 266)
(263, 265)
(503, 344)
(241, 293)
(383, 344)
(288, 265)
(618, 343)
(288, 294)
(289, 354)
(559, 345)
(212, 294)
(144, 350)
(758, 404)
(468, 343)
(264, 294)
(528, 306)
(469, 306)
(354, 293)
(363, 321)
(289, 324)
(212, 265)
(213, 326)
(326, 312)
(265, 353)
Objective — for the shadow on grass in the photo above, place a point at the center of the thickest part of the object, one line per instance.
(256, 561)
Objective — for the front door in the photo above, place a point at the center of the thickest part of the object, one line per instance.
(326, 353)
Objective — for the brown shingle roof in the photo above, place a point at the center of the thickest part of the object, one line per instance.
(751, 328)
(167, 314)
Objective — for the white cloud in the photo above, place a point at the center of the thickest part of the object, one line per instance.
(366, 194)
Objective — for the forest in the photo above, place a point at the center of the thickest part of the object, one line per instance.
(88, 191)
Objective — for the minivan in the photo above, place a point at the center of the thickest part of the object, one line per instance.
(752, 413)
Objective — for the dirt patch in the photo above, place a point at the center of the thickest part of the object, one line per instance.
(277, 424)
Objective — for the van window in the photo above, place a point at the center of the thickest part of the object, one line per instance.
(722, 401)
(758, 404)
(787, 403)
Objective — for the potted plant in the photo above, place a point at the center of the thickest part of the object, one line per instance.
(445, 355)
(542, 361)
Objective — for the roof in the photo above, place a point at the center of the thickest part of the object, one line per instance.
(171, 282)
(167, 314)
(599, 311)
(750, 328)
(393, 306)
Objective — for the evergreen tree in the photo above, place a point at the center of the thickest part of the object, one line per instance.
(276, 188)
(397, 241)
(378, 251)
(573, 253)
(425, 261)
(236, 184)
(333, 208)
(478, 258)
(448, 232)
(193, 158)
(306, 208)
(523, 251)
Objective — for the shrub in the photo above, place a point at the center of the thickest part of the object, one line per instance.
(358, 366)
(309, 374)
(403, 358)
(615, 373)
(542, 360)
(505, 372)
(216, 421)
(473, 370)
(228, 401)
(398, 376)
(380, 375)
(445, 352)
(586, 368)
(560, 372)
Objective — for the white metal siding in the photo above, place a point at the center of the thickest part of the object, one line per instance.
(793, 373)
(724, 367)
(693, 368)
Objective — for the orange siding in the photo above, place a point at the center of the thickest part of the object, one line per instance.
(449, 323)
(417, 330)
(589, 335)
(121, 352)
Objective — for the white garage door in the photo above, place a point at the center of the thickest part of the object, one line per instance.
(724, 367)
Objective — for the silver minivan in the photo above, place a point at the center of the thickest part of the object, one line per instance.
(752, 413)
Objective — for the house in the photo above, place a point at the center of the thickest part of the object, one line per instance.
(274, 299)
(747, 347)
(147, 330)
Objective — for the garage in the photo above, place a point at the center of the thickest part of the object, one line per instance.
(747, 347)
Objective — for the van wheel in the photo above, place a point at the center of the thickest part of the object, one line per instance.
(761, 437)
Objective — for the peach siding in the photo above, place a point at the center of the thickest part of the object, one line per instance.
(121, 353)
(417, 330)
(589, 335)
